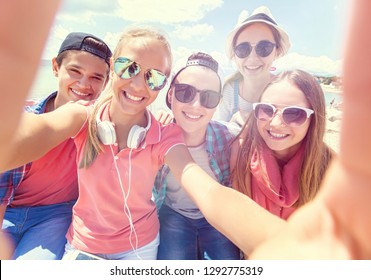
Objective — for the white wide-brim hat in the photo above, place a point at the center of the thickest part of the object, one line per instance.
(261, 14)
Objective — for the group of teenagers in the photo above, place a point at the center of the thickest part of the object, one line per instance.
(92, 169)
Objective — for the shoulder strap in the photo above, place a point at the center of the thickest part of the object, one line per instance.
(235, 96)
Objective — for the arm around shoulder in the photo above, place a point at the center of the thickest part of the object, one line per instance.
(37, 134)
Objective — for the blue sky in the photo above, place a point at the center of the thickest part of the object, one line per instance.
(316, 27)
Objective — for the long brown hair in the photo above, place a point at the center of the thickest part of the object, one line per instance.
(93, 145)
(317, 154)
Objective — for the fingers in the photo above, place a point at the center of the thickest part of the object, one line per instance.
(356, 136)
(164, 117)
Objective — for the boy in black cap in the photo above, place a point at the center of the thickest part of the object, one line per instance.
(37, 198)
(81, 56)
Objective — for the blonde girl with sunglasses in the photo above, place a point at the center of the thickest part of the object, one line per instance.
(120, 147)
(279, 158)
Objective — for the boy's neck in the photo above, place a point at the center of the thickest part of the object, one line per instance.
(194, 139)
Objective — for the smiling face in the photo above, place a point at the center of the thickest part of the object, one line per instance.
(192, 117)
(254, 65)
(131, 96)
(81, 76)
(284, 140)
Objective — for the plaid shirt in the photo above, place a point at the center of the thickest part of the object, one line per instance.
(10, 180)
(218, 137)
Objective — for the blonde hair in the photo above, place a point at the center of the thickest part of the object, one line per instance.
(317, 154)
(93, 145)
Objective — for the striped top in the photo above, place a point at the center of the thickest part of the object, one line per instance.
(231, 102)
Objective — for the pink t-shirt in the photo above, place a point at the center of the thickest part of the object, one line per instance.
(51, 179)
(99, 223)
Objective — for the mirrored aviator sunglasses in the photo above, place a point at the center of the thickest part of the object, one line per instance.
(126, 69)
(186, 93)
(262, 49)
(291, 116)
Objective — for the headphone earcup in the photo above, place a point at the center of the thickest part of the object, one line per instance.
(106, 132)
(136, 136)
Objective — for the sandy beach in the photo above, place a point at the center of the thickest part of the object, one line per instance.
(331, 89)
(333, 125)
(333, 120)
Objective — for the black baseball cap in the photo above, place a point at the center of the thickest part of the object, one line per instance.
(77, 41)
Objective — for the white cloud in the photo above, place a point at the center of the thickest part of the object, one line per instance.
(112, 39)
(95, 6)
(56, 36)
(85, 11)
(198, 32)
(84, 17)
(166, 11)
(315, 65)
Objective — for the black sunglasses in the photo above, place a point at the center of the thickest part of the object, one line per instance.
(262, 48)
(126, 69)
(291, 116)
(186, 93)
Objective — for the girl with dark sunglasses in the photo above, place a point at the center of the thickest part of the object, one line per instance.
(193, 96)
(253, 45)
(280, 158)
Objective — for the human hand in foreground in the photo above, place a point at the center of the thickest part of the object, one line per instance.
(20, 54)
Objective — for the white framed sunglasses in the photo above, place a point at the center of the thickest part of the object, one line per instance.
(291, 115)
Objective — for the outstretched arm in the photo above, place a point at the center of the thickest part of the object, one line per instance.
(238, 217)
(37, 134)
(20, 53)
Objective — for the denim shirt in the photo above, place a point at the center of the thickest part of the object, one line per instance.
(218, 138)
(11, 179)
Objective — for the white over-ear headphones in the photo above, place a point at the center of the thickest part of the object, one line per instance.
(107, 134)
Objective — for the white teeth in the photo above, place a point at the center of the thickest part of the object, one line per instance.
(79, 93)
(134, 98)
(192, 116)
(277, 135)
(252, 67)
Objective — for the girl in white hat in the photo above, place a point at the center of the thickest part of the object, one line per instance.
(254, 43)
